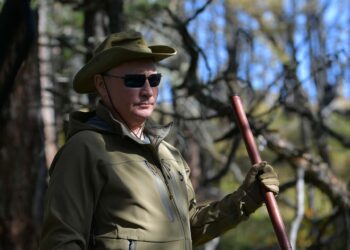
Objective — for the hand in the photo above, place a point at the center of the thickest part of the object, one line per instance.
(259, 176)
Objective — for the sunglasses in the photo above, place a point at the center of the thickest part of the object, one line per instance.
(138, 80)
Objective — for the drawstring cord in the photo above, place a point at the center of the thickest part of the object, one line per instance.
(120, 116)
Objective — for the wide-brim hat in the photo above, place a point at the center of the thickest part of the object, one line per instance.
(117, 48)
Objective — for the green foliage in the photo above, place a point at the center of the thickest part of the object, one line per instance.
(144, 8)
(67, 19)
(257, 232)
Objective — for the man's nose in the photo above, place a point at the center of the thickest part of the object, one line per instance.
(147, 89)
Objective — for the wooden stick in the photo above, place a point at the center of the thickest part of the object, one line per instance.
(254, 156)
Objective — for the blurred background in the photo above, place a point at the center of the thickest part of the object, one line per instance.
(287, 59)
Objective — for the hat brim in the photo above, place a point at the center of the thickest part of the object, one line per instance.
(83, 81)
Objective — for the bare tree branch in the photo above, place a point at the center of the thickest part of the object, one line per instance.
(300, 190)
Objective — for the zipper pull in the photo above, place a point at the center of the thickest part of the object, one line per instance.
(181, 176)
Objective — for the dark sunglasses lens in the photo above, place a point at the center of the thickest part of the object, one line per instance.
(137, 81)
(154, 79)
(134, 81)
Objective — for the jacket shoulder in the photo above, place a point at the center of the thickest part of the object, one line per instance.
(83, 144)
(85, 137)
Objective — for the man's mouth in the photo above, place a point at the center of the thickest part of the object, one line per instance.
(144, 104)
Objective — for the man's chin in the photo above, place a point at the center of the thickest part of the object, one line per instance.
(143, 115)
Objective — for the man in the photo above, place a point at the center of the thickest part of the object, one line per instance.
(116, 184)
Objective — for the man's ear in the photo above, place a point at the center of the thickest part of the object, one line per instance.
(102, 90)
(100, 86)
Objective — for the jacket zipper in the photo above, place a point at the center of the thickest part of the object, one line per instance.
(170, 176)
(171, 197)
(150, 168)
(155, 173)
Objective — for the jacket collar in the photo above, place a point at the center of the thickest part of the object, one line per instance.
(155, 132)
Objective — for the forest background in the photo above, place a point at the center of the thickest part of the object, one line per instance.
(287, 59)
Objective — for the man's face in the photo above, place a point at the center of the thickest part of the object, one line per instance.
(135, 105)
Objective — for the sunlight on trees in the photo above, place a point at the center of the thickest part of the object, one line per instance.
(288, 60)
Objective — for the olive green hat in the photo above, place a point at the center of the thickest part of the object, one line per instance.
(116, 49)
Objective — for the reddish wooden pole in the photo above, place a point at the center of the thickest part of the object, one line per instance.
(254, 156)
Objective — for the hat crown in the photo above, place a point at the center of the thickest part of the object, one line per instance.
(131, 40)
(116, 49)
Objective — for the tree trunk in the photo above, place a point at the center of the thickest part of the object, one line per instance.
(22, 160)
(47, 100)
(115, 11)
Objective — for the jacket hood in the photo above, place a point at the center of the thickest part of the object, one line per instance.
(101, 120)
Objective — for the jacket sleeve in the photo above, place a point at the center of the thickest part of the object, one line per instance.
(72, 195)
(213, 219)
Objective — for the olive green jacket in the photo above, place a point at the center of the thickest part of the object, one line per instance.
(110, 190)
